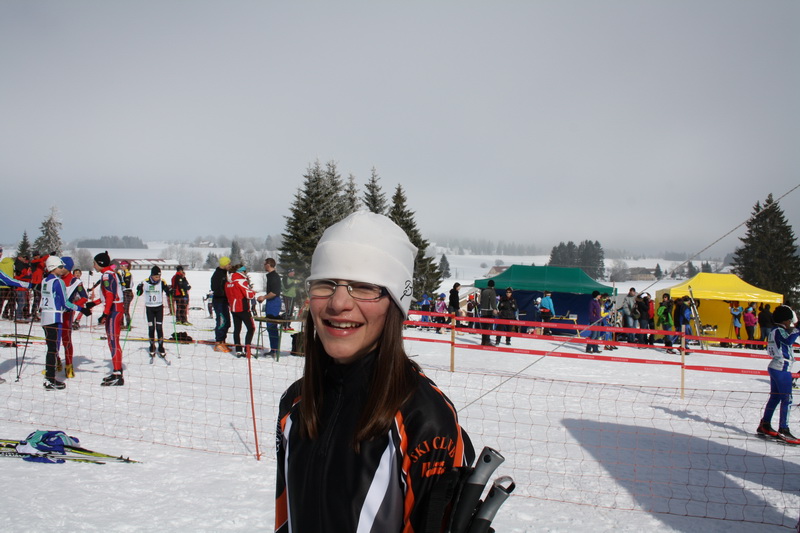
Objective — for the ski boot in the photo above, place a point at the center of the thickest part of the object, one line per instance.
(70, 373)
(53, 384)
(113, 380)
(786, 436)
(764, 428)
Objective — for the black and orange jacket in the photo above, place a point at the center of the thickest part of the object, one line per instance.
(323, 485)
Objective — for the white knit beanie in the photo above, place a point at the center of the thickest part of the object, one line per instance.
(370, 248)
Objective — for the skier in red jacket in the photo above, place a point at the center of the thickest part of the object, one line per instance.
(239, 295)
(113, 313)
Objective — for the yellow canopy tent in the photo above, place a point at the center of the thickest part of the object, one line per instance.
(714, 291)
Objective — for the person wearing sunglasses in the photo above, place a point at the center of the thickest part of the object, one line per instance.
(364, 435)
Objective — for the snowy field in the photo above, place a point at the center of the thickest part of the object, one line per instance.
(593, 445)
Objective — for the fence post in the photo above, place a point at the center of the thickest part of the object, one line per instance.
(453, 343)
(683, 363)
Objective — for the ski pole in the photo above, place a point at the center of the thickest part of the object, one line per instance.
(485, 465)
(16, 343)
(25, 350)
(498, 494)
(175, 330)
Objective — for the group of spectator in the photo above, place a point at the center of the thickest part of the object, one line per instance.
(747, 316)
(233, 298)
(20, 303)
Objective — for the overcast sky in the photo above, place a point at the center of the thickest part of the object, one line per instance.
(645, 125)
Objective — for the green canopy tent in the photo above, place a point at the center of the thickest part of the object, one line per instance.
(571, 287)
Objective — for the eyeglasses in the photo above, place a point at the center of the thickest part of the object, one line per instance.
(365, 292)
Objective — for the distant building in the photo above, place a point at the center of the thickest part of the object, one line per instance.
(147, 264)
(641, 274)
(495, 270)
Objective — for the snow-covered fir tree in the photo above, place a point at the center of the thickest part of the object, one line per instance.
(351, 195)
(374, 197)
(212, 261)
(236, 252)
(768, 256)
(427, 277)
(317, 204)
(49, 241)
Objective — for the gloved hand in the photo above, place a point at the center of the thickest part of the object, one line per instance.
(85, 311)
(102, 319)
(89, 305)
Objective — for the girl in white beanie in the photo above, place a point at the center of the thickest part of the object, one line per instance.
(364, 435)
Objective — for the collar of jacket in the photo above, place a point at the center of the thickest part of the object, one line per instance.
(355, 374)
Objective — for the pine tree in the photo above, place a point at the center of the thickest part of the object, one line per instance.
(658, 273)
(564, 255)
(591, 259)
(338, 202)
(691, 270)
(705, 266)
(588, 256)
(351, 195)
(24, 246)
(374, 198)
(236, 252)
(212, 260)
(444, 266)
(768, 256)
(317, 204)
(49, 242)
(427, 276)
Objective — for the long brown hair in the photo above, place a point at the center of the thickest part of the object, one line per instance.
(392, 384)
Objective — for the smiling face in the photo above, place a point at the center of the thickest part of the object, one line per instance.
(348, 328)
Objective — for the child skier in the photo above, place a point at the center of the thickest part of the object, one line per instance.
(154, 290)
(779, 347)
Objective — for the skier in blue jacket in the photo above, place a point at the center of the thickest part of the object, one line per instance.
(779, 347)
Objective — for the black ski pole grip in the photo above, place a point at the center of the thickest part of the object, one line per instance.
(485, 465)
(497, 496)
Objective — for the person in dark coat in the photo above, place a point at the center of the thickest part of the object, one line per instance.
(765, 323)
(507, 309)
(595, 317)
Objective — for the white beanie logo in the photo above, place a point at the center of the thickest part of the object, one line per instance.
(408, 291)
(371, 248)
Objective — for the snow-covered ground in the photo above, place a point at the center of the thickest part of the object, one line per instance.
(593, 445)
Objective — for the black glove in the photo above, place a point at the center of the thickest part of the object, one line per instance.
(102, 319)
(85, 311)
(89, 305)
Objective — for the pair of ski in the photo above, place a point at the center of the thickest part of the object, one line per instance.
(778, 439)
(76, 454)
(161, 356)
